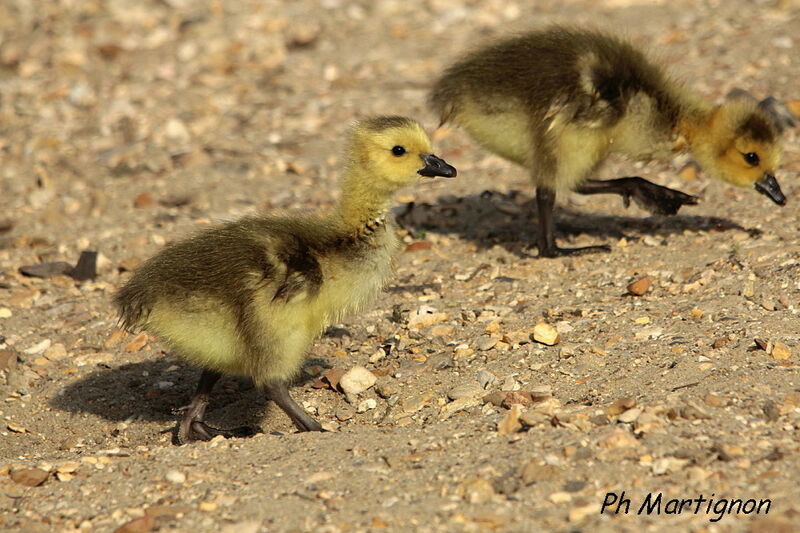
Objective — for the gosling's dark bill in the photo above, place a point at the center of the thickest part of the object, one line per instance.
(559, 101)
(248, 297)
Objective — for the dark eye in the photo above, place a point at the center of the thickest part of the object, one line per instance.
(398, 151)
(751, 158)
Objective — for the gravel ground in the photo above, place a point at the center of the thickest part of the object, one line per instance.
(126, 125)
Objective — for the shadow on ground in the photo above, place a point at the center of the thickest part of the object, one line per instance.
(156, 389)
(509, 220)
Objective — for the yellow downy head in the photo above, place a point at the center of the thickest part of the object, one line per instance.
(738, 144)
(384, 155)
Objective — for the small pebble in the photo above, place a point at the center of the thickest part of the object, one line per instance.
(485, 378)
(175, 476)
(545, 334)
(640, 286)
(357, 380)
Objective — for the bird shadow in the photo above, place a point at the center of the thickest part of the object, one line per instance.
(154, 390)
(509, 220)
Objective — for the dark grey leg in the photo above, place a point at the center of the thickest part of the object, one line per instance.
(545, 200)
(647, 195)
(192, 426)
(279, 393)
(196, 410)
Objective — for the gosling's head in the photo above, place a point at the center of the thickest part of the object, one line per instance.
(739, 145)
(393, 152)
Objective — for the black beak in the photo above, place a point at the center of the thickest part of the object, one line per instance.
(768, 186)
(436, 166)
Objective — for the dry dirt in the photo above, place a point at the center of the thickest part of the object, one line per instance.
(126, 125)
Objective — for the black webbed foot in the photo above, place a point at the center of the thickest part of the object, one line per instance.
(557, 251)
(201, 431)
(654, 198)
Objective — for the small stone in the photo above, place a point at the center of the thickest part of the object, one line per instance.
(16, 428)
(780, 351)
(560, 497)
(425, 316)
(463, 351)
(630, 416)
(30, 477)
(485, 378)
(207, 506)
(475, 490)
(471, 389)
(667, 465)
(748, 289)
(652, 332)
(442, 330)
(68, 467)
(138, 525)
(139, 342)
(143, 200)
(692, 411)
(175, 476)
(640, 286)
(415, 402)
(418, 246)
(720, 342)
(485, 343)
(545, 334)
(5, 312)
(579, 512)
(617, 438)
(532, 471)
(344, 412)
(56, 352)
(522, 398)
(714, 400)
(621, 405)
(492, 327)
(495, 398)
(8, 359)
(460, 404)
(357, 380)
(377, 356)
(771, 411)
(689, 172)
(534, 418)
(387, 389)
(366, 405)
(728, 452)
(510, 423)
(38, 347)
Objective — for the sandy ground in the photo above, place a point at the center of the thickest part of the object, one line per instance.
(126, 125)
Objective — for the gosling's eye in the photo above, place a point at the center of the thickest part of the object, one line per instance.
(398, 151)
(751, 158)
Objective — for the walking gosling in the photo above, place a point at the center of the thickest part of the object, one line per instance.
(247, 298)
(558, 101)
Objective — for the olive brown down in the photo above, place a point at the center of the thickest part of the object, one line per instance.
(247, 297)
(559, 101)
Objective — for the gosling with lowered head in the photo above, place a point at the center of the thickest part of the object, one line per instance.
(559, 101)
(247, 297)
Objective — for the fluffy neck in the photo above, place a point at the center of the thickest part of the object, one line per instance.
(694, 123)
(362, 206)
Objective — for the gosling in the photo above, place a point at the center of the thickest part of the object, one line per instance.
(559, 101)
(247, 298)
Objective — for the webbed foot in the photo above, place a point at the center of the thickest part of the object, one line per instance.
(557, 251)
(654, 198)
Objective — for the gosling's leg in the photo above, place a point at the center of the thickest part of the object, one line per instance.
(279, 393)
(545, 200)
(647, 195)
(192, 426)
